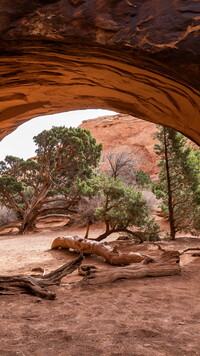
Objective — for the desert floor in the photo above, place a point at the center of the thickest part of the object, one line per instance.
(150, 316)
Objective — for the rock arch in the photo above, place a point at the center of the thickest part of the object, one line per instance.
(131, 56)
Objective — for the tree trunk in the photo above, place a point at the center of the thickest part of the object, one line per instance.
(27, 225)
(87, 229)
(167, 264)
(138, 234)
(29, 220)
(104, 235)
(169, 190)
(30, 216)
(37, 284)
(111, 255)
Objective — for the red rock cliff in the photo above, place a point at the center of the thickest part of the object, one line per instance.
(124, 133)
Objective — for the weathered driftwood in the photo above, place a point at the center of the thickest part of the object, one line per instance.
(111, 255)
(166, 264)
(38, 284)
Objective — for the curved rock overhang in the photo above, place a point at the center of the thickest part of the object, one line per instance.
(140, 57)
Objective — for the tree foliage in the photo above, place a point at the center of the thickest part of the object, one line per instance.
(122, 208)
(179, 180)
(30, 187)
(143, 179)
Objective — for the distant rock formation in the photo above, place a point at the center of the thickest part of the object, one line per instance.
(123, 132)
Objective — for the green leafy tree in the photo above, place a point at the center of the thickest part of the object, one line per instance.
(178, 184)
(194, 162)
(143, 179)
(122, 208)
(31, 187)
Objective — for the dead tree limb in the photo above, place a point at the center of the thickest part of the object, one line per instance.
(7, 228)
(111, 255)
(53, 217)
(194, 254)
(167, 264)
(38, 284)
(190, 249)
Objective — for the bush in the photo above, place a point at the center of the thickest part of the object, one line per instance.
(7, 215)
(142, 179)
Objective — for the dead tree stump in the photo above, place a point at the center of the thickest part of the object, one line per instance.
(167, 264)
(38, 284)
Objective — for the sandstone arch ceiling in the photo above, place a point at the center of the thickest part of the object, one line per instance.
(140, 57)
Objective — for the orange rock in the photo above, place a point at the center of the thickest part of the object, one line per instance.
(123, 132)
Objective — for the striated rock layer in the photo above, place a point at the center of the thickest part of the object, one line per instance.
(124, 133)
(130, 56)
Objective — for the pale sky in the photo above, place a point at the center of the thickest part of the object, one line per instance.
(20, 142)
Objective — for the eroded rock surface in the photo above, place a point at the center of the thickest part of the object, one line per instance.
(131, 56)
(125, 133)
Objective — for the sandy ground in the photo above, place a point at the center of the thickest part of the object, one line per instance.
(151, 316)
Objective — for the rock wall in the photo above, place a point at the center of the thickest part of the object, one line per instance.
(126, 133)
(140, 57)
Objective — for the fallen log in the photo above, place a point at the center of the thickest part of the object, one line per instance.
(166, 264)
(111, 255)
(38, 284)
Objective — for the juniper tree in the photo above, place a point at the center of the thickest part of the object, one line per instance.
(30, 187)
(178, 180)
(120, 207)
